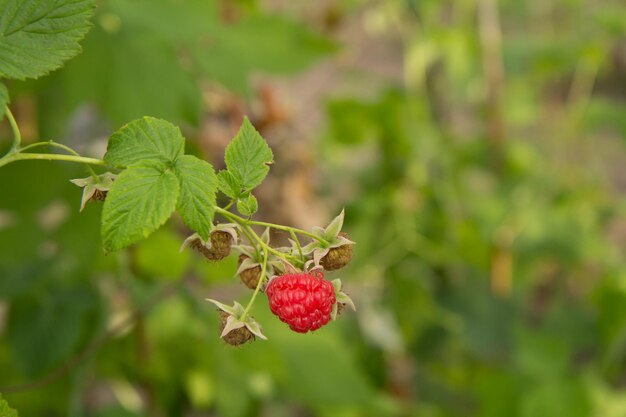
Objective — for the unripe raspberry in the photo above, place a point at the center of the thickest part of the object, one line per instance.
(302, 300)
(220, 244)
(250, 277)
(338, 257)
(218, 247)
(235, 337)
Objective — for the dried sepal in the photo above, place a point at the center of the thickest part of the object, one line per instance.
(251, 263)
(342, 298)
(339, 254)
(235, 310)
(255, 328)
(288, 268)
(247, 250)
(230, 228)
(94, 188)
(333, 249)
(249, 271)
(334, 227)
(221, 240)
(265, 237)
(235, 330)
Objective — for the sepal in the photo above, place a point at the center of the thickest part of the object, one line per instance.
(235, 321)
(94, 188)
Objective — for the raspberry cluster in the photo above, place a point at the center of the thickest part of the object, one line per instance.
(299, 296)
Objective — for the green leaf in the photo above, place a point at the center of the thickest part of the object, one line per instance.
(5, 410)
(248, 156)
(198, 186)
(37, 36)
(228, 184)
(269, 44)
(247, 205)
(141, 199)
(4, 99)
(145, 139)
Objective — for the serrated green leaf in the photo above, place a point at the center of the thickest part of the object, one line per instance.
(248, 156)
(37, 36)
(228, 184)
(4, 99)
(198, 186)
(5, 410)
(247, 205)
(145, 139)
(141, 199)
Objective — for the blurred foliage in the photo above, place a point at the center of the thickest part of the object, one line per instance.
(489, 281)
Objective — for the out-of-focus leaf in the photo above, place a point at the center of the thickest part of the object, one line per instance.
(5, 410)
(542, 355)
(498, 393)
(159, 256)
(561, 397)
(137, 62)
(117, 411)
(45, 331)
(317, 381)
(269, 44)
(351, 121)
(37, 37)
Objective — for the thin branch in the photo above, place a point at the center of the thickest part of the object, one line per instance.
(17, 136)
(49, 157)
(54, 144)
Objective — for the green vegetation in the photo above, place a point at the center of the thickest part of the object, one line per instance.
(477, 147)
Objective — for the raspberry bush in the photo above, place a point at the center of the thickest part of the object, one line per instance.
(145, 176)
(149, 177)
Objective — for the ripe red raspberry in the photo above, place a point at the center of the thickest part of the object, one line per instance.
(303, 300)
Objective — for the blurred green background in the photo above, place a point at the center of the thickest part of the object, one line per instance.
(478, 147)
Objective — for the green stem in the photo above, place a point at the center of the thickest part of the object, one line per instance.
(271, 249)
(289, 229)
(229, 205)
(295, 238)
(251, 235)
(60, 146)
(7, 159)
(17, 136)
(258, 287)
